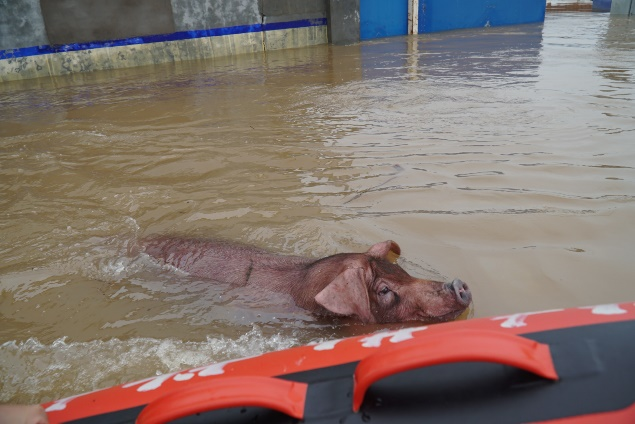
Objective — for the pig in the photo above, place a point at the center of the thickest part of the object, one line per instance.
(369, 287)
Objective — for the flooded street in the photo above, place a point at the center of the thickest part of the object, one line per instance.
(501, 156)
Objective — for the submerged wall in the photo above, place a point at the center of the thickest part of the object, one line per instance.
(57, 37)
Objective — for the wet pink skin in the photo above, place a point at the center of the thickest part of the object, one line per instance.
(367, 286)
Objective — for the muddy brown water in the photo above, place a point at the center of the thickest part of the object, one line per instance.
(502, 156)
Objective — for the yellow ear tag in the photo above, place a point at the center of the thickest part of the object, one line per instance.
(467, 313)
(392, 257)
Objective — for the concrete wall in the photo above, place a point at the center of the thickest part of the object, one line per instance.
(57, 37)
(205, 14)
(623, 7)
(292, 10)
(343, 17)
(81, 21)
(21, 24)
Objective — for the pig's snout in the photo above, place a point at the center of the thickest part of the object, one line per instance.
(461, 291)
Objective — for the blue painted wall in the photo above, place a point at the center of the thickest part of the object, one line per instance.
(382, 18)
(601, 5)
(442, 15)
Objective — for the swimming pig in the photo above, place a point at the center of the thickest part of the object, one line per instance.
(368, 286)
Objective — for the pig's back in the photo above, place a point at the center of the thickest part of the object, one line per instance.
(218, 260)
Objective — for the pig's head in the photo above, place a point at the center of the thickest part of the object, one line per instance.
(376, 290)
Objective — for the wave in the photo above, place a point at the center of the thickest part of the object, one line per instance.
(33, 372)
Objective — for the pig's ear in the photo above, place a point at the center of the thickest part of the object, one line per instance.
(388, 250)
(347, 295)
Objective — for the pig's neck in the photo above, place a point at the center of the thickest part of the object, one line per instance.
(302, 278)
(279, 273)
(317, 275)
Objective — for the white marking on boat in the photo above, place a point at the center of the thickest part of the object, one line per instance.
(395, 336)
(608, 309)
(518, 320)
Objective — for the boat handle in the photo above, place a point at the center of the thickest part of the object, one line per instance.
(281, 395)
(450, 347)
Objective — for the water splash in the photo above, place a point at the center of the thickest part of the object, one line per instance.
(31, 371)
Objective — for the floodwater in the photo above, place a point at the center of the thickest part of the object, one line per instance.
(501, 156)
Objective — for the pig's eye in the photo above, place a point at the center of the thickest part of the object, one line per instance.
(384, 291)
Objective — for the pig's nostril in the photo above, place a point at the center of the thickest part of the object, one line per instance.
(462, 291)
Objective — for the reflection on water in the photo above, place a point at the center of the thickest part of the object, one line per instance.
(459, 56)
(502, 156)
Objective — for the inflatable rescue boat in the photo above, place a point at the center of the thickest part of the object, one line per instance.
(560, 366)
